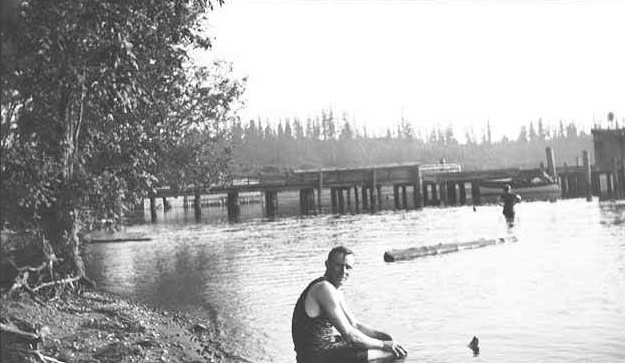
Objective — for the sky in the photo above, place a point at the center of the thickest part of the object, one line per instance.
(463, 63)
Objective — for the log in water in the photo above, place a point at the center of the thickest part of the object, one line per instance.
(117, 240)
(439, 249)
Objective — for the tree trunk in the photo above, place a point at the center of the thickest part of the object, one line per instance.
(61, 223)
(60, 227)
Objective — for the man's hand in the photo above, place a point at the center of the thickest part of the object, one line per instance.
(395, 348)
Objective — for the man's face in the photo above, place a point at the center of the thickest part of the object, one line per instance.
(338, 268)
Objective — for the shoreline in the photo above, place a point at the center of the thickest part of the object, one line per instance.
(97, 326)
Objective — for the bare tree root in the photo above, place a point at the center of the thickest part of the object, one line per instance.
(36, 353)
(24, 273)
(45, 358)
(69, 280)
(12, 329)
(22, 342)
(29, 268)
(21, 281)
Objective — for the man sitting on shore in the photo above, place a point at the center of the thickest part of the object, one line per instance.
(321, 307)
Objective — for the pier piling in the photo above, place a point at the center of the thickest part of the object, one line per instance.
(373, 190)
(365, 198)
(341, 200)
(396, 196)
(404, 197)
(153, 208)
(475, 192)
(616, 182)
(588, 175)
(348, 198)
(551, 164)
(463, 193)
(418, 188)
(319, 188)
(271, 203)
(197, 206)
(232, 202)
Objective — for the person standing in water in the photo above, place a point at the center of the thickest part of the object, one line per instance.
(509, 199)
(321, 311)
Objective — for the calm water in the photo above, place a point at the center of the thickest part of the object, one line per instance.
(556, 295)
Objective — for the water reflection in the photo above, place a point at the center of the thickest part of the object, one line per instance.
(555, 295)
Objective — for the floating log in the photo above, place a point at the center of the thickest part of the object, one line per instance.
(117, 240)
(439, 249)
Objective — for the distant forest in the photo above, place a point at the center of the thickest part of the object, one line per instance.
(326, 142)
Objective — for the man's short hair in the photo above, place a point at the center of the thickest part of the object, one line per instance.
(342, 250)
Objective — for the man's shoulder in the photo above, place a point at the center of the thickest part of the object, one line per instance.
(322, 284)
(323, 287)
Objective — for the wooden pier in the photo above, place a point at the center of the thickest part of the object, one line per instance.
(355, 190)
(410, 186)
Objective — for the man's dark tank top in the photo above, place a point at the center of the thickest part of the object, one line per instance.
(310, 335)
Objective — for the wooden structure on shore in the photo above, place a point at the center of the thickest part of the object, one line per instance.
(609, 147)
(606, 177)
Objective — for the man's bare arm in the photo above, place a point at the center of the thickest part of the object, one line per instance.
(330, 302)
(374, 333)
(387, 341)
(367, 330)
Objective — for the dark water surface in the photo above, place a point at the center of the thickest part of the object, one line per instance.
(556, 295)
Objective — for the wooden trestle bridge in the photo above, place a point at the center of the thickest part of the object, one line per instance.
(360, 189)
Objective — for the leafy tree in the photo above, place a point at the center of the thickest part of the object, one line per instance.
(532, 135)
(280, 132)
(441, 137)
(268, 133)
(346, 131)
(470, 137)
(405, 129)
(450, 139)
(94, 95)
(288, 133)
(543, 133)
(200, 156)
(433, 138)
(251, 131)
(298, 129)
(522, 135)
(328, 128)
(561, 133)
(316, 130)
(571, 130)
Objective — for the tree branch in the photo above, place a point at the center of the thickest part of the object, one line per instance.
(68, 280)
(6, 328)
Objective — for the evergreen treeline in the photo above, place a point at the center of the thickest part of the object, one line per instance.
(327, 141)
